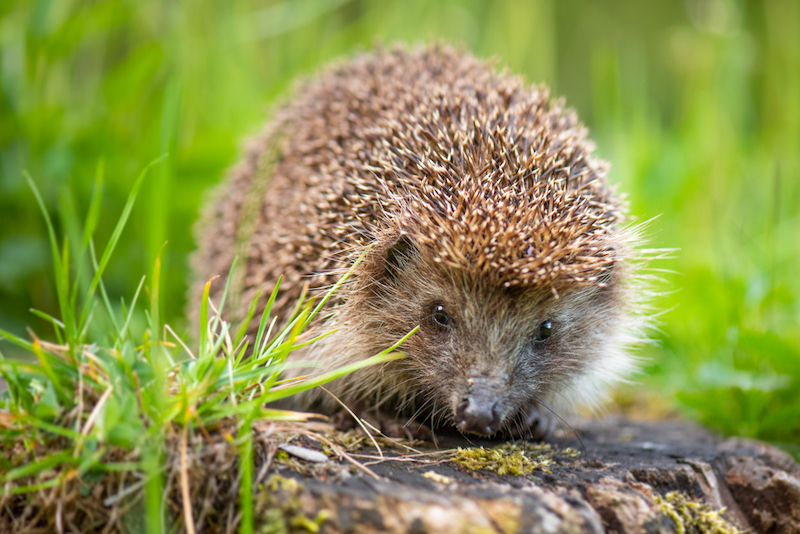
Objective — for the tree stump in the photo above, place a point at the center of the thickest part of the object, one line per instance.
(625, 477)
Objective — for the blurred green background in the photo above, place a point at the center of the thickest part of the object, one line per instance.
(696, 104)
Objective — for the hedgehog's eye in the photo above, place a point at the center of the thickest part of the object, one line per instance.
(544, 331)
(440, 317)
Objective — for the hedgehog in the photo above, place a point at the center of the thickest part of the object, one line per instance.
(461, 201)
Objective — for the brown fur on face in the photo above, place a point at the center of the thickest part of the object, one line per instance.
(468, 190)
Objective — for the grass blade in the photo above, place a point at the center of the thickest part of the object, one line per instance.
(204, 327)
(103, 293)
(115, 235)
(93, 214)
(58, 326)
(48, 462)
(16, 340)
(62, 283)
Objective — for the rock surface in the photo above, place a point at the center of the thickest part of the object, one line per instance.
(624, 477)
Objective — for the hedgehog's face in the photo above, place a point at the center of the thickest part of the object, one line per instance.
(483, 354)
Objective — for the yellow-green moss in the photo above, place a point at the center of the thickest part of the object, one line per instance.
(572, 453)
(279, 511)
(692, 517)
(436, 477)
(503, 459)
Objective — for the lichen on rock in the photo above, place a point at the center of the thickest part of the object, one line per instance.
(691, 517)
(503, 459)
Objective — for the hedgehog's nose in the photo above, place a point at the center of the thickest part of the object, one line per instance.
(478, 418)
(479, 411)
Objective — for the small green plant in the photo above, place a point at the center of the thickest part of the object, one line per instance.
(736, 376)
(129, 419)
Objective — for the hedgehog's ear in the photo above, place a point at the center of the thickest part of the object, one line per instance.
(400, 255)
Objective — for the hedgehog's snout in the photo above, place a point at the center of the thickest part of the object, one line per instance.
(480, 409)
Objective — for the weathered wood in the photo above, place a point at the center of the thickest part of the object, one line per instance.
(617, 483)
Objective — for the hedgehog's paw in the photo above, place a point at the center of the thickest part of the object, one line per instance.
(393, 427)
(405, 428)
(342, 421)
(535, 424)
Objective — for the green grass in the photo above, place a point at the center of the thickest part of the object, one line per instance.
(91, 409)
(695, 103)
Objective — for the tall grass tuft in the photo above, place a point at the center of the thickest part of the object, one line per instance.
(100, 428)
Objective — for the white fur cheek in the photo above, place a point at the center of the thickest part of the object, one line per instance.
(614, 365)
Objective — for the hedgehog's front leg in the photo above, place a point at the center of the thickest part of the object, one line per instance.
(389, 425)
(536, 424)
